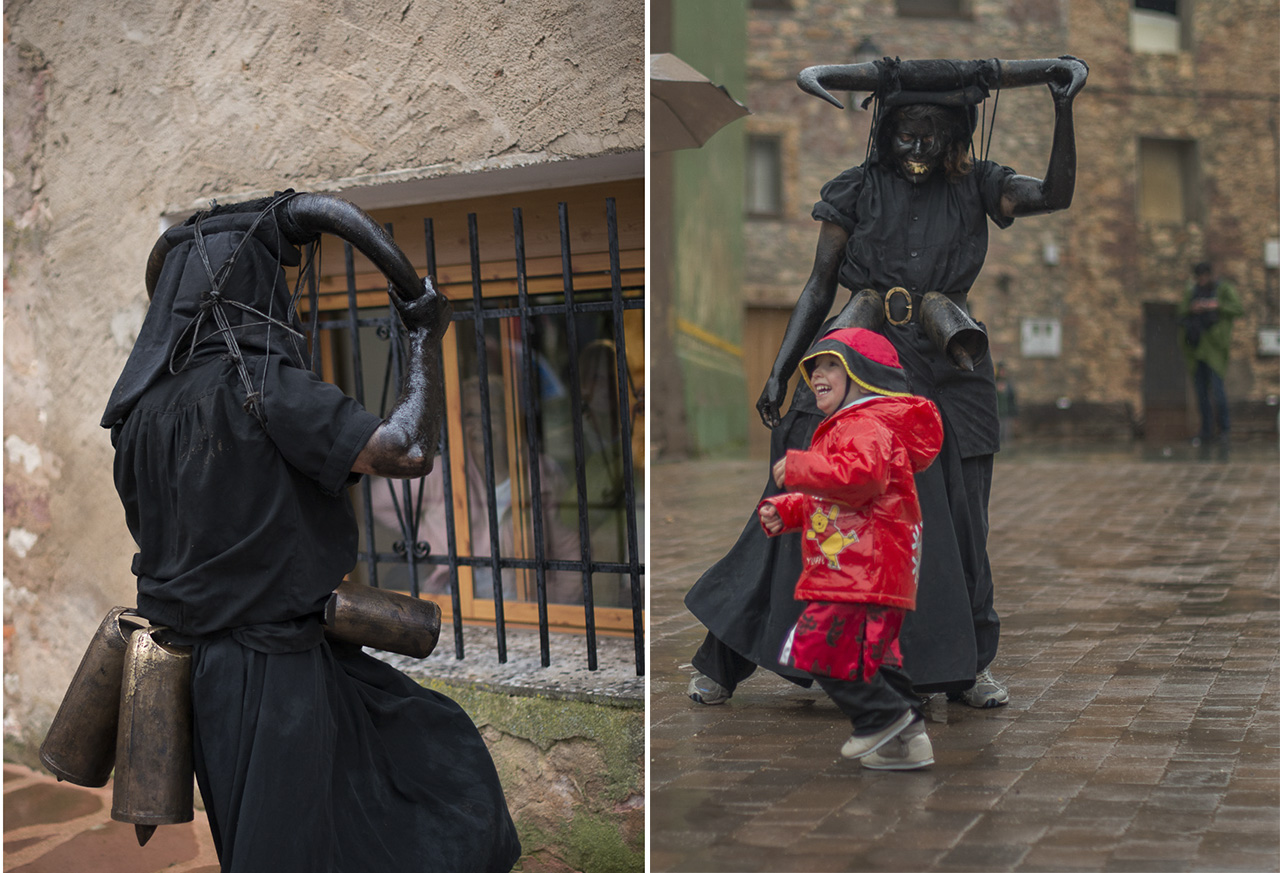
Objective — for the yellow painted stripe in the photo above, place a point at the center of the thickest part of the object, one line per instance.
(688, 327)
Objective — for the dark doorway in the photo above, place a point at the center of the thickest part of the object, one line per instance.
(1164, 375)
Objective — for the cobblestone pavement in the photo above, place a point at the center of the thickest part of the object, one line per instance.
(1140, 616)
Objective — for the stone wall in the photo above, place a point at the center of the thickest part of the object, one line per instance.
(1222, 93)
(118, 113)
(573, 773)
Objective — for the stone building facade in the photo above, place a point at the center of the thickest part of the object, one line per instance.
(119, 116)
(1078, 304)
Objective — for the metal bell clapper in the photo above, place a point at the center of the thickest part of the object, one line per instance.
(953, 332)
(154, 765)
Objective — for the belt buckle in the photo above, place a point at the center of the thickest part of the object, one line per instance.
(888, 311)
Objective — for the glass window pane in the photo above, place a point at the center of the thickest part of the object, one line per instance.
(1165, 173)
(931, 8)
(764, 176)
(560, 420)
(1155, 32)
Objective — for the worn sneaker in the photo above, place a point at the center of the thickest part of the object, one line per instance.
(909, 750)
(857, 746)
(985, 693)
(707, 691)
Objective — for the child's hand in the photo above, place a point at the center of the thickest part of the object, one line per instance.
(780, 472)
(770, 519)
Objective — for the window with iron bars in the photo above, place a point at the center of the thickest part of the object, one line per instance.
(539, 479)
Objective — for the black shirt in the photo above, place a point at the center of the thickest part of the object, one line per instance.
(240, 527)
(930, 236)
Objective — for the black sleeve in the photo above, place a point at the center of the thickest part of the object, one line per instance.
(839, 203)
(992, 178)
(316, 427)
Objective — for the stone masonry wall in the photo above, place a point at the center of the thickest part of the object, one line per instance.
(1223, 93)
(573, 774)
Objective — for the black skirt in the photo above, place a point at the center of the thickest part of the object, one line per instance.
(747, 600)
(330, 761)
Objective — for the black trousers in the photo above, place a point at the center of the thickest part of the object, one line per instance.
(724, 665)
(872, 705)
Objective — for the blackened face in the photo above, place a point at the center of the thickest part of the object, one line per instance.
(918, 148)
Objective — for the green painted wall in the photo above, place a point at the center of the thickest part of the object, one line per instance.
(708, 246)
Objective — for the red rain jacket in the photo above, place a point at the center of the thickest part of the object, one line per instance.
(853, 496)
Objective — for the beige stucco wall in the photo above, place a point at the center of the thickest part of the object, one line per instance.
(118, 112)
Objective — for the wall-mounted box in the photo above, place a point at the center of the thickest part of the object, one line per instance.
(1041, 338)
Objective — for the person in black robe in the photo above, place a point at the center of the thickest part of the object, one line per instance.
(233, 461)
(912, 217)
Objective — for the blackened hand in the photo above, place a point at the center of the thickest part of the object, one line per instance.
(770, 402)
(1067, 83)
(430, 312)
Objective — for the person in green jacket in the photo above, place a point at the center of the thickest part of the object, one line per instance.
(1205, 315)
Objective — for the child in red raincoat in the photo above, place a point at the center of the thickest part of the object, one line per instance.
(854, 497)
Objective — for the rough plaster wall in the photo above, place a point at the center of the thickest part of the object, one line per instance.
(117, 112)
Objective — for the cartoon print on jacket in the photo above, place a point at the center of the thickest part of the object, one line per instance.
(834, 544)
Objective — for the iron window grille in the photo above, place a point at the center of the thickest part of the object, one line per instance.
(352, 336)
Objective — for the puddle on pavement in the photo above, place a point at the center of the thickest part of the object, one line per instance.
(46, 804)
(1234, 603)
(1213, 598)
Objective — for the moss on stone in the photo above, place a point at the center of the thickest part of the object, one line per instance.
(544, 721)
(588, 843)
(597, 844)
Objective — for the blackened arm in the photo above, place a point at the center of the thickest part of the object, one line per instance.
(404, 445)
(807, 317)
(1025, 195)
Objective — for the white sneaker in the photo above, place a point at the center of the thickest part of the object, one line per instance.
(986, 692)
(707, 691)
(909, 750)
(857, 746)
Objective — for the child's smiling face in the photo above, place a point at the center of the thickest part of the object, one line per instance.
(830, 383)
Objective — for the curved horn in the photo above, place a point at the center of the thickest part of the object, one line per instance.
(306, 215)
(940, 75)
(841, 77)
(303, 217)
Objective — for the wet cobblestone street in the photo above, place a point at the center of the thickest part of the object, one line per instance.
(1140, 625)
